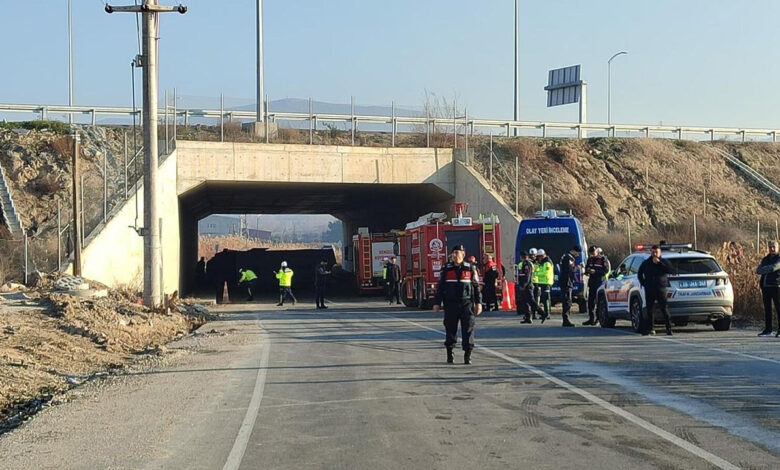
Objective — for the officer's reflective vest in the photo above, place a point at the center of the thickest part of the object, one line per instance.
(536, 278)
(247, 275)
(384, 272)
(285, 277)
(544, 273)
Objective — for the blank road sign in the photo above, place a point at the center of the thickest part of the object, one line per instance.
(563, 86)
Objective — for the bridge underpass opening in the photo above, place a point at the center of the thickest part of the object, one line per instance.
(380, 207)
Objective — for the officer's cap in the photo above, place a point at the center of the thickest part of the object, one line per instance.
(523, 253)
(576, 248)
(458, 248)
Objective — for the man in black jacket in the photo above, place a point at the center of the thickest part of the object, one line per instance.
(566, 281)
(769, 269)
(597, 268)
(458, 288)
(393, 281)
(524, 288)
(653, 276)
(320, 281)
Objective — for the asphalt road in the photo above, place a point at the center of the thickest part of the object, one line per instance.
(363, 385)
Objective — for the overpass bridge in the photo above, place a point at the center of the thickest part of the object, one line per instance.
(381, 188)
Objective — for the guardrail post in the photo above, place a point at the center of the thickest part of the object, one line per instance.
(392, 124)
(311, 120)
(43, 113)
(612, 130)
(712, 135)
(647, 132)
(579, 131)
(774, 136)
(352, 117)
(743, 136)
(221, 117)
(186, 118)
(94, 121)
(679, 133)
(507, 129)
(265, 118)
(491, 161)
(427, 127)
(544, 130)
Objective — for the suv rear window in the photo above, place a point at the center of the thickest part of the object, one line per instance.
(695, 265)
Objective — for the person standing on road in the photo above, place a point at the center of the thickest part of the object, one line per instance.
(566, 281)
(769, 269)
(545, 277)
(393, 281)
(320, 280)
(458, 288)
(532, 256)
(248, 279)
(385, 263)
(653, 277)
(285, 276)
(597, 269)
(524, 288)
(490, 285)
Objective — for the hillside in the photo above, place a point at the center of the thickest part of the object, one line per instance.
(651, 182)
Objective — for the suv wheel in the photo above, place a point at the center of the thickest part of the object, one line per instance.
(635, 309)
(722, 325)
(601, 310)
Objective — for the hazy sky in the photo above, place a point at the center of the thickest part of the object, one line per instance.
(692, 62)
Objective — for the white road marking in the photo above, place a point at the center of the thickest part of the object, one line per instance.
(245, 431)
(694, 345)
(737, 425)
(695, 450)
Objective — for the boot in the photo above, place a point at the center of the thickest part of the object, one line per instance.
(526, 320)
(668, 330)
(566, 321)
(590, 321)
(467, 357)
(450, 357)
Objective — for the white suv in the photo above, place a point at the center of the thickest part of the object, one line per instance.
(699, 290)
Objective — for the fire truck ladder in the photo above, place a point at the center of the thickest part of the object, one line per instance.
(489, 238)
(365, 251)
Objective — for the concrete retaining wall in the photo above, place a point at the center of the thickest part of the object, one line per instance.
(471, 187)
(115, 256)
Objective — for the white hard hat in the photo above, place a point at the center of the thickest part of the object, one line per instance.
(284, 264)
(541, 252)
(599, 250)
(385, 259)
(532, 252)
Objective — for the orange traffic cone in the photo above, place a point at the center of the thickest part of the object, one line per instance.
(225, 294)
(507, 295)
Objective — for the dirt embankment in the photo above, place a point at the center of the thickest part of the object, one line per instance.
(50, 342)
(650, 182)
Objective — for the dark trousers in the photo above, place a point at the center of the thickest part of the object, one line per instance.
(455, 312)
(284, 293)
(771, 295)
(489, 296)
(249, 286)
(319, 294)
(566, 295)
(544, 298)
(393, 291)
(525, 302)
(653, 296)
(592, 293)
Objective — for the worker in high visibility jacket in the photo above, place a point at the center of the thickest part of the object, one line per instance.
(248, 279)
(544, 279)
(285, 276)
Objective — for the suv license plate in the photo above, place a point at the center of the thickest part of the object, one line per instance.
(692, 284)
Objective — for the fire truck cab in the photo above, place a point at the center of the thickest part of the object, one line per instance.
(425, 245)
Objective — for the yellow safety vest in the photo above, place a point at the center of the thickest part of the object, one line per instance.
(285, 277)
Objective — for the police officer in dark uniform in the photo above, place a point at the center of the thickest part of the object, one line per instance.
(524, 288)
(459, 290)
(653, 276)
(566, 281)
(597, 268)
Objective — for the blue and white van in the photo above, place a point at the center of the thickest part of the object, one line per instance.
(556, 232)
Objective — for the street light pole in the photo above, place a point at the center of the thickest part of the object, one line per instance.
(70, 59)
(260, 78)
(609, 85)
(517, 48)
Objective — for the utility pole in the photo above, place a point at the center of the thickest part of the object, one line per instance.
(151, 230)
(76, 206)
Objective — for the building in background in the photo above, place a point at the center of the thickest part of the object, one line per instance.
(219, 225)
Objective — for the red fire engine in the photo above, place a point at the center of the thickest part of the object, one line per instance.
(425, 245)
(370, 251)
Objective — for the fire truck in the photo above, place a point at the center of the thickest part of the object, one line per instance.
(370, 250)
(425, 244)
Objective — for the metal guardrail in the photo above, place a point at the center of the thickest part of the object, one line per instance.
(750, 172)
(470, 123)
